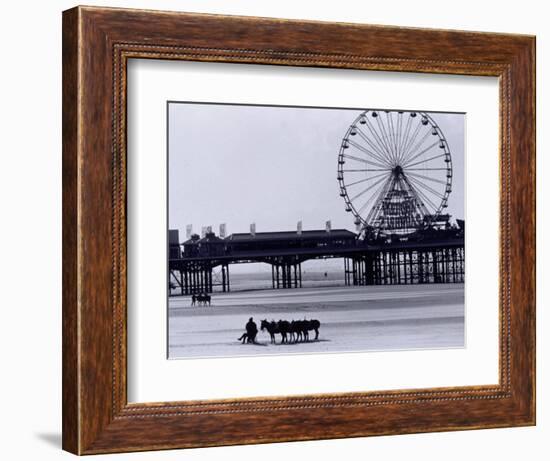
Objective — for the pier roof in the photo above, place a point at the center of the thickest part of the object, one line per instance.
(286, 235)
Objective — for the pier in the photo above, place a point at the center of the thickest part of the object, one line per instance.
(429, 256)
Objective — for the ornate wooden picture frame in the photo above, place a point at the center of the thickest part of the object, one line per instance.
(97, 44)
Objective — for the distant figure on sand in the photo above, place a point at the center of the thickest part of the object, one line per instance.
(201, 298)
(251, 332)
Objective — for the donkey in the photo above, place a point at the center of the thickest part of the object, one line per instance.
(271, 327)
(296, 327)
(314, 325)
(284, 330)
(204, 298)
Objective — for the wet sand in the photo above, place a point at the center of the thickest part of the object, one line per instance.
(353, 319)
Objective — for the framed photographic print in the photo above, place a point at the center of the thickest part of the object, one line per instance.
(284, 230)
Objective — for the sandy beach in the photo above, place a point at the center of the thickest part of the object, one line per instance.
(353, 319)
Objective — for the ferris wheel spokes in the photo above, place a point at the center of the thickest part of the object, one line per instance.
(413, 182)
(366, 151)
(414, 151)
(359, 181)
(408, 165)
(379, 155)
(403, 184)
(427, 178)
(351, 157)
(377, 137)
(360, 194)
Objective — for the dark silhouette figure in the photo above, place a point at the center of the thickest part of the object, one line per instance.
(299, 329)
(303, 329)
(291, 332)
(271, 327)
(193, 300)
(314, 325)
(251, 332)
(203, 299)
(296, 330)
(243, 338)
(284, 330)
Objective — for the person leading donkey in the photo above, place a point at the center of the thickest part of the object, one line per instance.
(251, 332)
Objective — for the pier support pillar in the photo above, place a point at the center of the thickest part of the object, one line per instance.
(286, 274)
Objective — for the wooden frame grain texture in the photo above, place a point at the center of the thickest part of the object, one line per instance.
(97, 43)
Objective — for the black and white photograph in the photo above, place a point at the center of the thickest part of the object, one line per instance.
(308, 230)
(275, 230)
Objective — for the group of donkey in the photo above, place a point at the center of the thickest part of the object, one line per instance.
(201, 299)
(291, 332)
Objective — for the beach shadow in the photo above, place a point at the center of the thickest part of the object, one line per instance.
(51, 438)
(313, 341)
(251, 344)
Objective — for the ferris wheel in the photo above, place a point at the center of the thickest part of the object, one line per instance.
(395, 171)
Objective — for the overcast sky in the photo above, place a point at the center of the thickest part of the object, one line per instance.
(270, 165)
